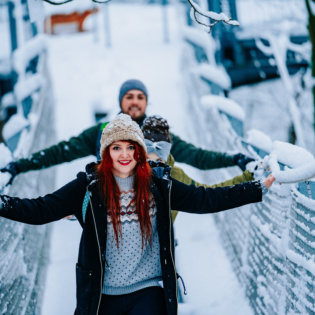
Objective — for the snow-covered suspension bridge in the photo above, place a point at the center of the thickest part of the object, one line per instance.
(270, 245)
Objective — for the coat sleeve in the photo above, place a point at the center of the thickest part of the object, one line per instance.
(65, 151)
(202, 159)
(181, 176)
(247, 176)
(209, 200)
(63, 202)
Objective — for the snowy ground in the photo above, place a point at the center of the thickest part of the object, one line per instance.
(87, 75)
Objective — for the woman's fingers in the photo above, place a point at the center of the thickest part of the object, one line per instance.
(269, 180)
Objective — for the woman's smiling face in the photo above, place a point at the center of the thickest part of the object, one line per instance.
(122, 154)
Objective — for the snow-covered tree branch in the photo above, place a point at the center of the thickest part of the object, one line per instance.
(215, 18)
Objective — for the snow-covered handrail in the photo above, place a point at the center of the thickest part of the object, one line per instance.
(289, 176)
(24, 247)
(22, 56)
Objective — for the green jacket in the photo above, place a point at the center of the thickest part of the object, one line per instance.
(181, 176)
(88, 143)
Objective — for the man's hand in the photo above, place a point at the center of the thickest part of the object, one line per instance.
(11, 169)
(241, 160)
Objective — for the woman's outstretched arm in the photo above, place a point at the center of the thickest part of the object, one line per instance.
(63, 202)
(206, 200)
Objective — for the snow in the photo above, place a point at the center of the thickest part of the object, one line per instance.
(15, 124)
(279, 45)
(259, 139)
(139, 53)
(28, 86)
(302, 261)
(302, 162)
(202, 39)
(306, 202)
(301, 174)
(6, 155)
(225, 105)
(271, 13)
(201, 262)
(23, 55)
(70, 7)
(36, 10)
(7, 100)
(213, 74)
(86, 72)
(267, 102)
(291, 155)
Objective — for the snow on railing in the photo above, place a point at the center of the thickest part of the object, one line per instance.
(24, 248)
(271, 244)
(29, 65)
(270, 11)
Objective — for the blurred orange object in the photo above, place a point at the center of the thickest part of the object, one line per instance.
(76, 18)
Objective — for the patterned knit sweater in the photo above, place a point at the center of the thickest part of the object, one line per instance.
(131, 268)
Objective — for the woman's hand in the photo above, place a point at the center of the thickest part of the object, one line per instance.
(269, 180)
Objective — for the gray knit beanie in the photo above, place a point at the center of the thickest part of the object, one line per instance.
(132, 84)
(121, 128)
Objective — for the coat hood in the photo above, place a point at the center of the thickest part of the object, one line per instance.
(90, 171)
(160, 170)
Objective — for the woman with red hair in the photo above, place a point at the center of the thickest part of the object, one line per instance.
(126, 256)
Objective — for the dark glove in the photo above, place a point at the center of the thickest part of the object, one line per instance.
(241, 160)
(11, 168)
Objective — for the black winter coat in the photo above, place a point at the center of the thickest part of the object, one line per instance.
(168, 193)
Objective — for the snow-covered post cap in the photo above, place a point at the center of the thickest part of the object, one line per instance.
(214, 74)
(301, 163)
(259, 140)
(225, 105)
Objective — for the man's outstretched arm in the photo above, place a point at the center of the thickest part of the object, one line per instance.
(65, 151)
(185, 152)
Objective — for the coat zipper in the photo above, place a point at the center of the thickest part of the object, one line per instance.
(100, 256)
(170, 226)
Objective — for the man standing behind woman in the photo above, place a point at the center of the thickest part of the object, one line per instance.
(133, 100)
(127, 247)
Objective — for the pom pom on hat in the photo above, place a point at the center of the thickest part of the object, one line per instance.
(121, 128)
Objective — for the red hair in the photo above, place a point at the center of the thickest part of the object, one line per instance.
(110, 192)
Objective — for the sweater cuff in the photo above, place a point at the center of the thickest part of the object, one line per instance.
(264, 189)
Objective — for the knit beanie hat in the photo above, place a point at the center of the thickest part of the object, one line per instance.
(156, 128)
(132, 84)
(121, 128)
(157, 137)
